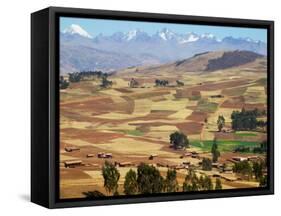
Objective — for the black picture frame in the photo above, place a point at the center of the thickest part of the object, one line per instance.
(45, 105)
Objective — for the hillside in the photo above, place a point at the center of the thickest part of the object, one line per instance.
(208, 62)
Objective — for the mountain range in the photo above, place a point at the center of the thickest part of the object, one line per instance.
(81, 51)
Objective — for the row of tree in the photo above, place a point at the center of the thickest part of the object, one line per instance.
(148, 180)
(86, 75)
(262, 148)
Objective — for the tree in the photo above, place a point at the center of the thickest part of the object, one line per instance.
(131, 184)
(63, 83)
(179, 140)
(263, 181)
(205, 183)
(220, 122)
(218, 184)
(111, 177)
(191, 182)
(244, 168)
(171, 183)
(179, 83)
(74, 77)
(257, 169)
(105, 83)
(206, 164)
(149, 179)
(161, 82)
(215, 151)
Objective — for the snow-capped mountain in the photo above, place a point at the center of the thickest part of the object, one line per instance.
(74, 29)
(137, 47)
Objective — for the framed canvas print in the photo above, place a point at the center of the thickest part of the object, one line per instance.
(138, 107)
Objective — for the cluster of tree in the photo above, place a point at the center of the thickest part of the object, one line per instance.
(204, 182)
(242, 149)
(148, 180)
(63, 83)
(250, 169)
(179, 140)
(220, 122)
(247, 120)
(105, 83)
(262, 148)
(86, 75)
(74, 77)
(179, 83)
(244, 168)
(262, 124)
(89, 74)
(161, 82)
(259, 149)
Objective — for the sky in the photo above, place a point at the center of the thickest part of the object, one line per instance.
(108, 27)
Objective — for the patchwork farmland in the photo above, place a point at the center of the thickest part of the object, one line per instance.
(133, 124)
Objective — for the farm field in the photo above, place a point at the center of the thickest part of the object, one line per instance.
(133, 123)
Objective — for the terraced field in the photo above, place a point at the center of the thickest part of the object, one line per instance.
(134, 123)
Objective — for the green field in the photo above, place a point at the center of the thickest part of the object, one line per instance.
(134, 132)
(245, 134)
(205, 106)
(223, 145)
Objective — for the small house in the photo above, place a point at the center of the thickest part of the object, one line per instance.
(126, 164)
(72, 163)
(71, 149)
(239, 159)
(152, 156)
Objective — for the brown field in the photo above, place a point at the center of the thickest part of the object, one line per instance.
(133, 123)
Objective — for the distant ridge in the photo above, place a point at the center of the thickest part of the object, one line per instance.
(208, 62)
(232, 59)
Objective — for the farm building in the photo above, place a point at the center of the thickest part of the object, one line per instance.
(162, 165)
(152, 156)
(226, 130)
(72, 163)
(126, 164)
(227, 170)
(90, 155)
(217, 96)
(239, 159)
(253, 158)
(71, 149)
(104, 155)
(186, 154)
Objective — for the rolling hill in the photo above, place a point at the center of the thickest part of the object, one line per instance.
(208, 62)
